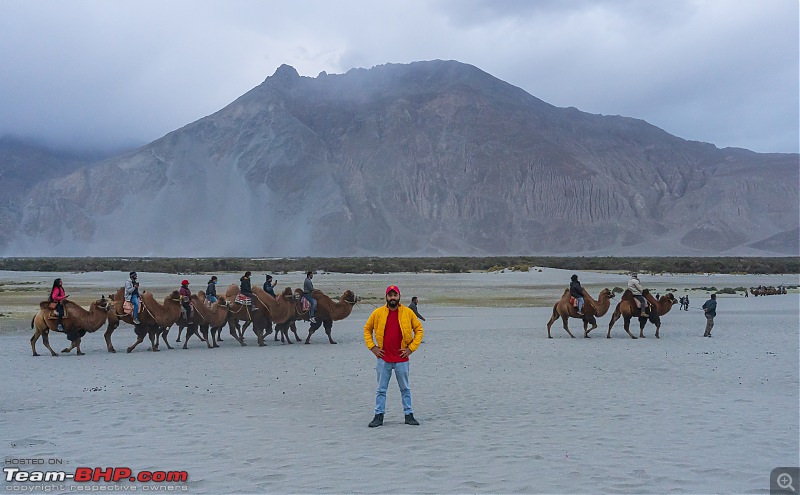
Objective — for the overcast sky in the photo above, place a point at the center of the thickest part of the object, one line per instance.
(106, 74)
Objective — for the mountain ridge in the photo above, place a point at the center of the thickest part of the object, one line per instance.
(428, 158)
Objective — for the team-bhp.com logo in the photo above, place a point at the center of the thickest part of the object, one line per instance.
(94, 474)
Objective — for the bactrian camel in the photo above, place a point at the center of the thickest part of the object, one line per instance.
(591, 311)
(257, 314)
(328, 311)
(154, 318)
(627, 309)
(76, 323)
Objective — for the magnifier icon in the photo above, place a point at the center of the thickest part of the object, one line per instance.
(785, 481)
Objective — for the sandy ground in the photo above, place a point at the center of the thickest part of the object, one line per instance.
(502, 408)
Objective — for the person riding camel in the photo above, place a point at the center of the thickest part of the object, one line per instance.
(57, 295)
(269, 286)
(186, 299)
(576, 291)
(211, 291)
(636, 289)
(246, 289)
(132, 295)
(308, 288)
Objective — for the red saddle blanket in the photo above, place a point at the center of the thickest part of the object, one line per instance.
(243, 300)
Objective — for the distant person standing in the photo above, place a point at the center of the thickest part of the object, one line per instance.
(710, 309)
(308, 288)
(397, 333)
(686, 303)
(413, 307)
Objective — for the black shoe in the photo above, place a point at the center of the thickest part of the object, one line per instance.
(410, 420)
(376, 421)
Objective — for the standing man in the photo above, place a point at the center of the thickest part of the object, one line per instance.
(132, 295)
(710, 309)
(686, 303)
(308, 288)
(398, 333)
(413, 307)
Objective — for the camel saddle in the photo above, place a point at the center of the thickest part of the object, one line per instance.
(305, 306)
(243, 300)
(127, 308)
(54, 315)
(573, 302)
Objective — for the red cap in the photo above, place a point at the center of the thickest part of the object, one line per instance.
(392, 288)
(185, 282)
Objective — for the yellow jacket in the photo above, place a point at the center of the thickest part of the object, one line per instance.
(409, 326)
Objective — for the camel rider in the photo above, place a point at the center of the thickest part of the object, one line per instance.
(211, 290)
(246, 288)
(132, 295)
(269, 286)
(308, 288)
(576, 291)
(636, 289)
(57, 295)
(186, 299)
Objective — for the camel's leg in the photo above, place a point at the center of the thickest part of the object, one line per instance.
(164, 336)
(154, 334)
(553, 318)
(293, 328)
(591, 320)
(75, 344)
(233, 326)
(642, 323)
(565, 319)
(614, 319)
(658, 327)
(259, 335)
(180, 329)
(107, 336)
(311, 330)
(328, 329)
(627, 326)
(140, 334)
(45, 334)
(219, 336)
(188, 335)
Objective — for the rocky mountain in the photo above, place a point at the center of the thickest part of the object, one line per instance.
(427, 158)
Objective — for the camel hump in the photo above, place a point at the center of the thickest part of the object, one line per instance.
(44, 305)
(319, 295)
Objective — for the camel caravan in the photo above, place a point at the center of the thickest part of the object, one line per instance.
(767, 291)
(635, 302)
(199, 314)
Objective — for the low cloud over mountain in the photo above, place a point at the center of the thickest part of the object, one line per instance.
(420, 159)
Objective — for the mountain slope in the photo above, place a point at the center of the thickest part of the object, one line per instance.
(427, 158)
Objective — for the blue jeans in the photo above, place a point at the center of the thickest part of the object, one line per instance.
(313, 303)
(580, 304)
(384, 372)
(135, 302)
(211, 299)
